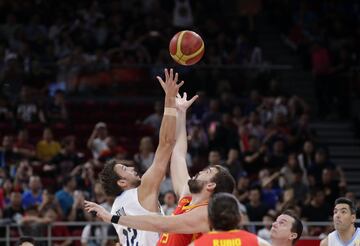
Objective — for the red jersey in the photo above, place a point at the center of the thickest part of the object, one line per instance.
(173, 239)
(228, 238)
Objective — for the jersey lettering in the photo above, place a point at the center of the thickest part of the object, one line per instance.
(227, 242)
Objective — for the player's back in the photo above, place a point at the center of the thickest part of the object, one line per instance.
(334, 239)
(128, 204)
(233, 238)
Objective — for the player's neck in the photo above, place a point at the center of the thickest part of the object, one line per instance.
(280, 242)
(199, 198)
(346, 235)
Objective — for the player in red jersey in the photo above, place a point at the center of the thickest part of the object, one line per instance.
(224, 219)
(191, 218)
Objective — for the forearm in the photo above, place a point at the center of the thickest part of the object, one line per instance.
(178, 167)
(91, 139)
(72, 214)
(168, 124)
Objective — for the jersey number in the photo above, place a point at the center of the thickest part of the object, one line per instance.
(131, 235)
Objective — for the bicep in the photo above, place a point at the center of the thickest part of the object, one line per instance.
(153, 177)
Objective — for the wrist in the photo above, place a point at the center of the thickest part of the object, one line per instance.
(114, 219)
(170, 102)
(170, 111)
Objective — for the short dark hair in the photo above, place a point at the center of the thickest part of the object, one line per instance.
(297, 226)
(224, 212)
(344, 200)
(109, 178)
(224, 180)
(26, 240)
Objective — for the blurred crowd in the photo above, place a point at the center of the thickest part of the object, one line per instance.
(325, 34)
(40, 43)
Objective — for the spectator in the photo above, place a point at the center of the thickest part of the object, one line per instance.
(57, 231)
(321, 162)
(27, 110)
(169, 203)
(330, 186)
(233, 163)
(65, 195)
(198, 141)
(97, 141)
(6, 188)
(264, 233)
(23, 174)
(214, 158)
(154, 119)
(307, 156)
(145, 156)
(14, 211)
(49, 201)
(23, 146)
(47, 148)
(56, 111)
(8, 158)
(256, 210)
(288, 172)
(318, 209)
(66, 160)
(301, 189)
(182, 14)
(99, 234)
(254, 126)
(278, 158)
(254, 158)
(213, 115)
(77, 212)
(32, 197)
(113, 150)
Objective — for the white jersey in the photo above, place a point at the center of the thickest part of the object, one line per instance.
(334, 239)
(128, 204)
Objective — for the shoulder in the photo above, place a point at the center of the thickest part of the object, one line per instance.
(324, 242)
(262, 242)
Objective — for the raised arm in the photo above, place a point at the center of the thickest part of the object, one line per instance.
(194, 221)
(149, 189)
(178, 168)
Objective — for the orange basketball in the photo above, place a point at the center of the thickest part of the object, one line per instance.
(186, 47)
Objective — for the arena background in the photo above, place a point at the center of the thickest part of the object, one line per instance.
(279, 88)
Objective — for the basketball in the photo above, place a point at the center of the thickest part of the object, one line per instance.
(186, 47)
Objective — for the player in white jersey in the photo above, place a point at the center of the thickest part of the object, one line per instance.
(344, 222)
(137, 196)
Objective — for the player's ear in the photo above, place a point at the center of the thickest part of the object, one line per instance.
(292, 236)
(211, 186)
(353, 218)
(122, 183)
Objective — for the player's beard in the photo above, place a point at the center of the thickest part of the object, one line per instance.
(196, 186)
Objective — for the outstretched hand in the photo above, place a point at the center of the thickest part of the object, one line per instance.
(170, 85)
(98, 210)
(182, 104)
